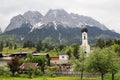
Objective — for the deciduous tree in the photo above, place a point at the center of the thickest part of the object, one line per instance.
(102, 61)
(79, 62)
(14, 65)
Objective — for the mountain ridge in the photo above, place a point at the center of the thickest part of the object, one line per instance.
(59, 34)
(58, 15)
(57, 26)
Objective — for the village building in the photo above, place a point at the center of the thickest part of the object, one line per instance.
(63, 56)
(62, 61)
(52, 58)
(19, 54)
(4, 60)
(25, 66)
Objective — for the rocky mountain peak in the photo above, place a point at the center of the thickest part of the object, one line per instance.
(16, 22)
(33, 16)
(59, 15)
(87, 20)
(56, 13)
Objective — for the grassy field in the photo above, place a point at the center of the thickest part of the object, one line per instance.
(7, 50)
(47, 78)
(107, 77)
(71, 78)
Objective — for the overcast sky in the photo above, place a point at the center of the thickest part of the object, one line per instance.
(105, 11)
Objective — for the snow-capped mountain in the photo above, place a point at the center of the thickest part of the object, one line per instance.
(57, 15)
(57, 26)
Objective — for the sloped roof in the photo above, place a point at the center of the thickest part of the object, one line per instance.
(19, 53)
(40, 54)
(27, 65)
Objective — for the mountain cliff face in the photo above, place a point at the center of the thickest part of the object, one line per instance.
(16, 22)
(56, 26)
(58, 16)
(33, 17)
(79, 19)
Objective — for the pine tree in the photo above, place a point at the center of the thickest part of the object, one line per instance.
(39, 46)
(10, 45)
(15, 46)
(7, 44)
(75, 50)
(1, 46)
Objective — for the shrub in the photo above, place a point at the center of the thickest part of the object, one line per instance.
(39, 72)
(23, 75)
(4, 71)
(21, 61)
(30, 72)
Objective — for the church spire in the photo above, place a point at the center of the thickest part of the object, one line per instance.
(85, 44)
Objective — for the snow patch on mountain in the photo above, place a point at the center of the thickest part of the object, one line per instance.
(36, 26)
(21, 38)
(55, 25)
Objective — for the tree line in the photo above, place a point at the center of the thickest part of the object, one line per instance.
(7, 44)
(100, 61)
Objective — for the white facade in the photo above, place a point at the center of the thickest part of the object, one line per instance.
(63, 57)
(4, 61)
(85, 44)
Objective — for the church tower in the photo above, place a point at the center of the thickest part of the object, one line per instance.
(85, 44)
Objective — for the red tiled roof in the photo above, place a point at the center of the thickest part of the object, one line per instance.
(54, 58)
